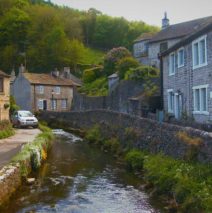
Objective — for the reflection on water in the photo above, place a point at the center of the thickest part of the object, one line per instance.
(80, 179)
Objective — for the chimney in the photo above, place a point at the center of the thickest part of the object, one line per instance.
(66, 72)
(55, 73)
(165, 21)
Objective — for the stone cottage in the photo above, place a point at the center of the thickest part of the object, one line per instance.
(154, 44)
(4, 96)
(187, 74)
(33, 91)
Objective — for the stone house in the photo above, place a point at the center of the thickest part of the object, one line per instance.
(187, 74)
(152, 45)
(4, 96)
(35, 92)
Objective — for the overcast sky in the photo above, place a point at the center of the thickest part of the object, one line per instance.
(149, 11)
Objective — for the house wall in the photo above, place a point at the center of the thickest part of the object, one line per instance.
(22, 92)
(186, 78)
(5, 99)
(154, 50)
(66, 92)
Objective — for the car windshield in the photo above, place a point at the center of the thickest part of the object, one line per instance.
(25, 114)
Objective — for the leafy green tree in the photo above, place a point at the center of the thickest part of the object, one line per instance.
(125, 64)
(113, 57)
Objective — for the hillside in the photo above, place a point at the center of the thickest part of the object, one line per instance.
(44, 36)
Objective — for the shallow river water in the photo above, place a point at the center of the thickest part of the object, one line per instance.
(78, 178)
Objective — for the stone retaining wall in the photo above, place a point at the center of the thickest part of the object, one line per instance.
(139, 132)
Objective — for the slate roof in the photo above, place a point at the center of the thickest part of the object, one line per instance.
(181, 30)
(47, 79)
(207, 26)
(144, 36)
(4, 74)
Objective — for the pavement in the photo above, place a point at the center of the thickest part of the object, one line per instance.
(9, 147)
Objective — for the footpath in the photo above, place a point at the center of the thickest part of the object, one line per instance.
(9, 147)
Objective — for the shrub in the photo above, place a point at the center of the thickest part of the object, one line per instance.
(93, 135)
(88, 76)
(112, 58)
(112, 145)
(125, 64)
(183, 136)
(13, 106)
(6, 129)
(141, 73)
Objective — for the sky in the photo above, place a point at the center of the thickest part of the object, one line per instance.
(149, 11)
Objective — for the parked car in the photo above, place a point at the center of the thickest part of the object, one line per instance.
(23, 118)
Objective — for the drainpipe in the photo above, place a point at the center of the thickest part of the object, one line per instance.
(161, 80)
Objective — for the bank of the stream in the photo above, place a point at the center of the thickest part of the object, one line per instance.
(80, 178)
(27, 160)
(184, 185)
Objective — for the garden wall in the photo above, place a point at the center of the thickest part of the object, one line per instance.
(141, 133)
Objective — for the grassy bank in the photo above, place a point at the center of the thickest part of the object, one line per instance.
(32, 154)
(185, 186)
(6, 129)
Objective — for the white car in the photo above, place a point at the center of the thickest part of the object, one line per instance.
(23, 118)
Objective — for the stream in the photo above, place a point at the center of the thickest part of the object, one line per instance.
(79, 178)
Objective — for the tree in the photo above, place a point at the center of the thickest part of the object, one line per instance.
(125, 64)
(112, 58)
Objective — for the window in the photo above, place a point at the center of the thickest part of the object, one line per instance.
(171, 64)
(200, 99)
(199, 52)
(54, 104)
(1, 85)
(180, 57)
(64, 103)
(57, 90)
(40, 89)
(170, 100)
(40, 104)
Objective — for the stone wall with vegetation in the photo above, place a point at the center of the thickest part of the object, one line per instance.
(121, 99)
(136, 132)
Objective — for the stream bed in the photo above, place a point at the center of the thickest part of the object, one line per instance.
(79, 178)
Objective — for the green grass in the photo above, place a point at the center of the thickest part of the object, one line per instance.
(99, 87)
(6, 129)
(93, 56)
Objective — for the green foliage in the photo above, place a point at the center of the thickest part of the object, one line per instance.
(6, 129)
(13, 106)
(99, 87)
(125, 64)
(134, 159)
(93, 135)
(141, 73)
(89, 75)
(113, 57)
(49, 36)
(112, 145)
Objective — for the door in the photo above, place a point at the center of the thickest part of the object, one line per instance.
(44, 105)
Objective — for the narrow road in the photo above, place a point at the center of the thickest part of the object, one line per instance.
(9, 147)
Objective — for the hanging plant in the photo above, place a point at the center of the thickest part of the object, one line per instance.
(6, 106)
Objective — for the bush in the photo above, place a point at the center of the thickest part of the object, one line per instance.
(141, 73)
(13, 106)
(135, 160)
(125, 64)
(6, 129)
(112, 145)
(88, 76)
(93, 135)
(112, 58)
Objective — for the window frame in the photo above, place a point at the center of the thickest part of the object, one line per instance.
(66, 104)
(40, 101)
(200, 111)
(172, 72)
(169, 91)
(57, 91)
(40, 89)
(178, 58)
(53, 106)
(197, 41)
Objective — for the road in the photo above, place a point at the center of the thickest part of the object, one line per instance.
(9, 147)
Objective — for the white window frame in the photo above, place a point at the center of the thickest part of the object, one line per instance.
(200, 97)
(171, 72)
(197, 41)
(170, 110)
(40, 107)
(54, 104)
(40, 89)
(57, 90)
(64, 106)
(178, 57)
